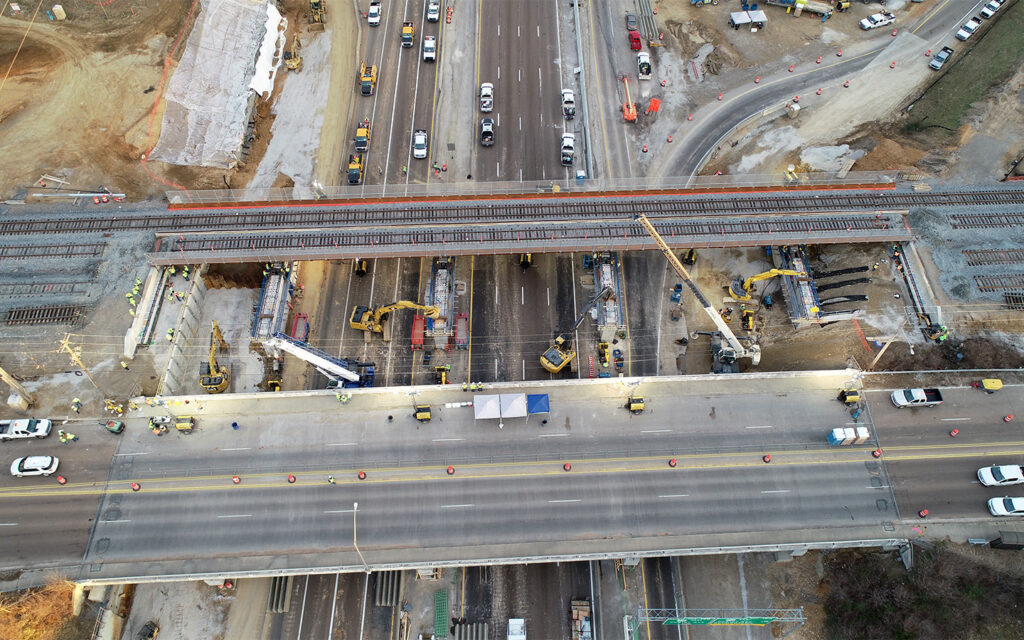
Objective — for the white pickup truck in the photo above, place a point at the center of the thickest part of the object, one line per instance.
(968, 29)
(902, 398)
(882, 19)
(25, 428)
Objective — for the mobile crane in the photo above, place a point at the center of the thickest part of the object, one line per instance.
(723, 356)
(740, 289)
(375, 320)
(214, 377)
(561, 351)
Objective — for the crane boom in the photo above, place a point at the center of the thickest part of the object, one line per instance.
(325, 363)
(740, 351)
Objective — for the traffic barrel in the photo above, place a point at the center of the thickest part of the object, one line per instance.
(894, 32)
(451, 470)
(892, 65)
(791, 67)
(928, 53)
(567, 466)
(796, 99)
(846, 85)
(839, 54)
(818, 92)
(877, 453)
(645, 148)
(923, 513)
(719, 97)
(235, 479)
(689, 117)
(954, 433)
(62, 480)
(291, 479)
(1008, 418)
(362, 475)
(757, 79)
(670, 138)
(766, 458)
(672, 463)
(818, 61)
(664, 83)
(136, 486)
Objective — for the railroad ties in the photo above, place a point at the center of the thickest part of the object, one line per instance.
(44, 315)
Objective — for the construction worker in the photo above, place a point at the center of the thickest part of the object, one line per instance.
(330, 479)
(170, 335)
(404, 170)
(124, 365)
(172, 270)
(131, 312)
(184, 272)
(465, 387)
(63, 436)
(76, 405)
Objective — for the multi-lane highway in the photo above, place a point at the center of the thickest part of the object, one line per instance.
(509, 495)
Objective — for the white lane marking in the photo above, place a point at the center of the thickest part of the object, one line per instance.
(763, 426)
(341, 511)
(554, 435)
(496, 368)
(520, 76)
(447, 439)
(8, 524)
(114, 521)
(675, 495)
(497, 170)
(499, 34)
(140, 453)
(524, 369)
(237, 449)
(561, 501)
(302, 611)
(777, 491)
(457, 506)
(954, 419)
(342, 444)
(885, 486)
(657, 431)
(334, 605)
(519, 33)
(522, 295)
(521, 179)
(520, 123)
(538, 30)
(549, 296)
(499, 72)
(238, 515)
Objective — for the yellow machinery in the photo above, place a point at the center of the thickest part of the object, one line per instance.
(628, 107)
(740, 289)
(604, 351)
(292, 59)
(367, 78)
(360, 266)
(317, 14)
(635, 405)
(375, 320)
(724, 356)
(441, 373)
(185, 424)
(849, 396)
(214, 377)
(363, 135)
(525, 260)
(561, 351)
(422, 413)
(748, 319)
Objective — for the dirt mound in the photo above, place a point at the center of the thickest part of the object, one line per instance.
(890, 154)
(973, 353)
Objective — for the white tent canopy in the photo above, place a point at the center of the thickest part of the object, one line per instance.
(487, 407)
(513, 405)
(500, 406)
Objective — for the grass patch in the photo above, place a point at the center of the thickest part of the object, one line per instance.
(36, 614)
(990, 62)
(946, 596)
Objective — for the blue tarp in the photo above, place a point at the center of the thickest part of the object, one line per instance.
(538, 403)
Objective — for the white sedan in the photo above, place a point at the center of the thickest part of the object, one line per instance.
(1001, 476)
(1006, 506)
(419, 144)
(34, 466)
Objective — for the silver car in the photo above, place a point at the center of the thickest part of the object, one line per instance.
(34, 466)
(1006, 506)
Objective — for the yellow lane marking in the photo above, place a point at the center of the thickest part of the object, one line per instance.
(643, 579)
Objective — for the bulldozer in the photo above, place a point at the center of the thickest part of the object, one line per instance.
(317, 14)
(214, 377)
(561, 351)
(740, 289)
(376, 320)
(292, 59)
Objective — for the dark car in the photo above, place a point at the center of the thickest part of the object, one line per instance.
(487, 132)
(631, 23)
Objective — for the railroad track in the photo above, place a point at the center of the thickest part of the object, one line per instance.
(316, 214)
(1001, 282)
(980, 257)
(494, 235)
(986, 220)
(12, 290)
(44, 315)
(25, 251)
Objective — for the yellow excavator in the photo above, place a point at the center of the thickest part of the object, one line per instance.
(292, 59)
(376, 320)
(740, 289)
(561, 351)
(215, 377)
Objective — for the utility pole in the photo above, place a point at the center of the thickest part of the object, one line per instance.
(14, 384)
(65, 346)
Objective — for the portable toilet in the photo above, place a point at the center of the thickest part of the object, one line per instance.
(849, 435)
(836, 437)
(862, 435)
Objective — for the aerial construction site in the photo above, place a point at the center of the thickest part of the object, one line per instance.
(601, 316)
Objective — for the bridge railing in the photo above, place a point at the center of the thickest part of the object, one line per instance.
(469, 188)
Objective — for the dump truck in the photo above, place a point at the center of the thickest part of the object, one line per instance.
(24, 428)
(367, 78)
(902, 398)
(408, 34)
(363, 135)
(317, 15)
(355, 168)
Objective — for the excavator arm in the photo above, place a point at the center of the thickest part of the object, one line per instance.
(374, 320)
(740, 289)
(214, 377)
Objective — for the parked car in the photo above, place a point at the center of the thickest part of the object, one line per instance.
(433, 11)
(34, 466)
(24, 428)
(990, 9)
(1001, 476)
(419, 144)
(968, 29)
(568, 104)
(1006, 506)
(486, 97)
(631, 22)
(487, 132)
(568, 149)
(940, 58)
(882, 19)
